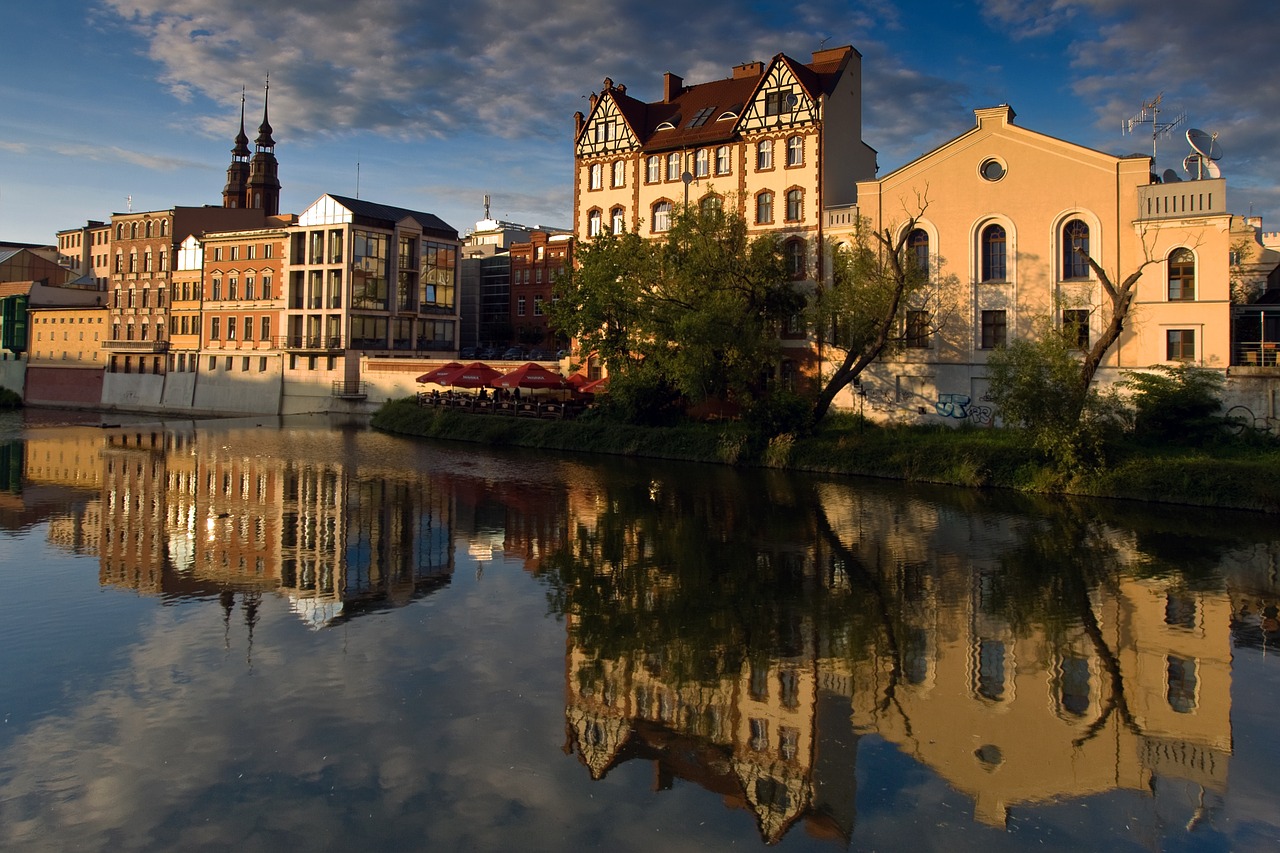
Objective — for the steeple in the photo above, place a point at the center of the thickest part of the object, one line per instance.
(233, 194)
(263, 188)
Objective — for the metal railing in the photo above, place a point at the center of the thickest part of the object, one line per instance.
(350, 389)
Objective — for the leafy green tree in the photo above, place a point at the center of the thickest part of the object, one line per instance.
(1177, 404)
(696, 312)
(878, 297)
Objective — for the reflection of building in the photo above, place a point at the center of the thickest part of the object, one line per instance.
(766, 736)
(1120, 688)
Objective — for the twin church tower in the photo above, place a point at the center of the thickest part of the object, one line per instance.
(254, 182)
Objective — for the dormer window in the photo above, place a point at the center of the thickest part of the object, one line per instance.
(700, 118)
(670, 124)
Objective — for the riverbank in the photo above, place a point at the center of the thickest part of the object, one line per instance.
(1232, 476)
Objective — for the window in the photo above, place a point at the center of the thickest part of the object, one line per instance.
(764, 154)
(235, 253)
(702, 163)
(520, 306)
(673, 166)
(918, 249)
(1180, 344)
(795, 151)
(795, 205)
(778, 103)
(593, 223)
(1182, 684)
(764, 208)
(620, 173)
(217, 253)
(231, 328)
(993, 329)
(537, 306)
(215, 329)
(1075, 325)
(711, 203)
(250, 291)
(618, 217)
(233, 288)
(146, 261)
(993, 253)
(248, 328)
(597, 179)
(133, 261)
(266, 329)
(722, 160)
(251, 252)
(795, 258)
(917, 331)
(267, 250)
(1075, 250)
(266, 286)
(662, 217)
(653, 167)
(1182, 276)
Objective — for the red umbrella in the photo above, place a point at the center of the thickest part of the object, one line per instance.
(577, 380)
(474, 375)
(530, 375)
(601, 384)
(434, 375)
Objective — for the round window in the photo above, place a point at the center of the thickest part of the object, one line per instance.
(992, 170)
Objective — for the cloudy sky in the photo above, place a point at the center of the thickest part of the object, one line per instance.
(431, 104)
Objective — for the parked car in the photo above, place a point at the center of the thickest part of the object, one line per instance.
(468, 353)
(513, 354)
(487, 353)
(538, 355)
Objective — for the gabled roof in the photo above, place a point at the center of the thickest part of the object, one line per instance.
(694, 110)
(389, 215)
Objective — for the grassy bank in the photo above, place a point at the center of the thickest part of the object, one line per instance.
(1237, 476)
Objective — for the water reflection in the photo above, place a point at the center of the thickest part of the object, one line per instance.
(741, 632)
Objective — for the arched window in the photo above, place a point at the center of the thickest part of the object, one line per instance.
(764, 154)
(593, 223)
(148, 228)
(711, 203)
(993, 254)
(918, 249)
(1182, 275)
(1075, 250)
(701, 163)
(795, 205)
(133, 230)
(673, 166)
(796, 258)
(764, 208)
(722, 160)
(119, 230)
(164, 228)
(795, 151)
(619, 173)
(146, 260)
(133, 261)
(662, 217)
(618, 217)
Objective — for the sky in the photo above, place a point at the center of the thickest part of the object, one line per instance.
(115, 105)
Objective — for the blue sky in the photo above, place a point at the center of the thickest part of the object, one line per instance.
(431, 104)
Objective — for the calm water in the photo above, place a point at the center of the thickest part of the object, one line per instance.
(242, 635)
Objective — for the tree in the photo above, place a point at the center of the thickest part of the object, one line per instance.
(1119, 303)
(879, 296)
(697, 311)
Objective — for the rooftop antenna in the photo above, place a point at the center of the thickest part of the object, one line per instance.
(357, 174)
(1150, 114)
(486, 205)
(128, 204)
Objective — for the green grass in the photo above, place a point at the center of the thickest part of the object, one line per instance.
(1240, 475)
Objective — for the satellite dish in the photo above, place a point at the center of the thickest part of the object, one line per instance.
(1191, 165)
(1170, 177)
(1211, 169)
(1204, 143)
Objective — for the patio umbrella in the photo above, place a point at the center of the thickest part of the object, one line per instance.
(529, 375)
(601, 384)
(434, 375)
(474, 375)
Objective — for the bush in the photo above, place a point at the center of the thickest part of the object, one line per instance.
(10, 399)
(1179, 405)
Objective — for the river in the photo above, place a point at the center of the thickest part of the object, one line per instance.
(262, 634)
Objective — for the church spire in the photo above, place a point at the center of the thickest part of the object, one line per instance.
(233, 194)
(263, 188)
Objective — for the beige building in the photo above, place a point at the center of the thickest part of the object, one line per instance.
(999, 211)
(778, 141)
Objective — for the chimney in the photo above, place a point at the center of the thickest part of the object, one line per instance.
(672, 87)
(578, 120)
(748, 69)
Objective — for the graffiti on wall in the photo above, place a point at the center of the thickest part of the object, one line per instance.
(1242, 418)
(962, 407)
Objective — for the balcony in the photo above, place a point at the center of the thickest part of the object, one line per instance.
(311, 343)
(1182, 200)
(349, 389)
(136, 346)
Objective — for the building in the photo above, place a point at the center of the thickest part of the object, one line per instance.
(368, 278)
(1000, 212)
(143, 245)
(485, 282)
(242, 294)
(534, 267)
(778, 141)
(85, 252)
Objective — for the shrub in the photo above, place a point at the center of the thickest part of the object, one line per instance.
(1179, 405)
